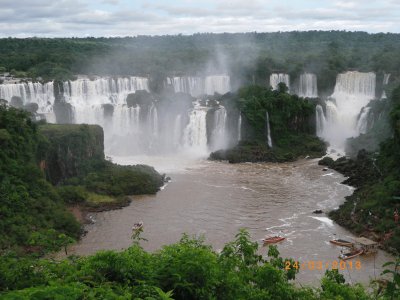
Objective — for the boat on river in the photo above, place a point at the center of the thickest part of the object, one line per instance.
(273, 239)
(351, 254)
(137, 226)
(340, 242)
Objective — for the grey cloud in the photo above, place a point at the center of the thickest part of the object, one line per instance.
(112, 2)
(78, 18)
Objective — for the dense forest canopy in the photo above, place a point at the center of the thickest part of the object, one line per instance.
(248, 56)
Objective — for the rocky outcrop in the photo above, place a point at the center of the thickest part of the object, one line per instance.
(70, 149)
(359, 171)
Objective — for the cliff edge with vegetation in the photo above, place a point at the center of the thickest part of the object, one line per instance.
(277, 127)
(33, 210)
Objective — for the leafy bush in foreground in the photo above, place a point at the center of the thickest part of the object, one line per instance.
(185, 270)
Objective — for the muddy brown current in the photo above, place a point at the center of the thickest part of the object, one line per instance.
(216, 199)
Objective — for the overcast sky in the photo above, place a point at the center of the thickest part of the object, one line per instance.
(66, 18)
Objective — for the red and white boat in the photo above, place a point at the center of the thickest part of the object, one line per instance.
(273, 239)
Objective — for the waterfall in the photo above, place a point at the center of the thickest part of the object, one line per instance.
(177, 130)
(123, 132)
(239, 127)
(195, 133)
(320, 119)
(386, 78)
(31, 92)
(269, 140)
(150, 126)
(197, 86)
(189, 85)
(308, 85)
(362, 122)
(152, 120)
(103, 90)
(218, 137)
(353, 91)
(276, 78)
(217, 84)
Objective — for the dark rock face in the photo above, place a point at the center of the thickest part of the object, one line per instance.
(62, 109)
(108, 110)
(359, 171)
(16, 102)
(63, 112)
(141, 98)
(71, 149)
(31, 107)
(58, 91)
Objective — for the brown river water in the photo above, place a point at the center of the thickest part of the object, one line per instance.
(216, 199)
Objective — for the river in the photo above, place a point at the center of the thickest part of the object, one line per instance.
(216, 199)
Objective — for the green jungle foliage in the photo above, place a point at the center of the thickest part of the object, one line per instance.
(248, 57)
(291, 121)
(287, 113)
(33, 217)
(74, 160)
(185, 270)
(30, 208)
(377, 178)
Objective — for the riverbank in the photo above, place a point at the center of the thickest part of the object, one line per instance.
(81, 211)
(369, 211)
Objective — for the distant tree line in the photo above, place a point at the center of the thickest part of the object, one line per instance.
(248, 57)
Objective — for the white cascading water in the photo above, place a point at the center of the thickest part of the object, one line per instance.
(42, 94)
(195, 133)
(152, 120)
(386, 78)
(269, 139)
(103, 90)
(144, 129)
(197, 86)
(218, 136)
(308, 85)
(220, 84)
(362, 122)
(276, 78)
(239, 127)
(177, 130)
(87, 98)
(320, 119)
(189, 85)
(353, 91)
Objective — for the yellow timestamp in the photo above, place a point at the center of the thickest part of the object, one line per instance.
(323, 265)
